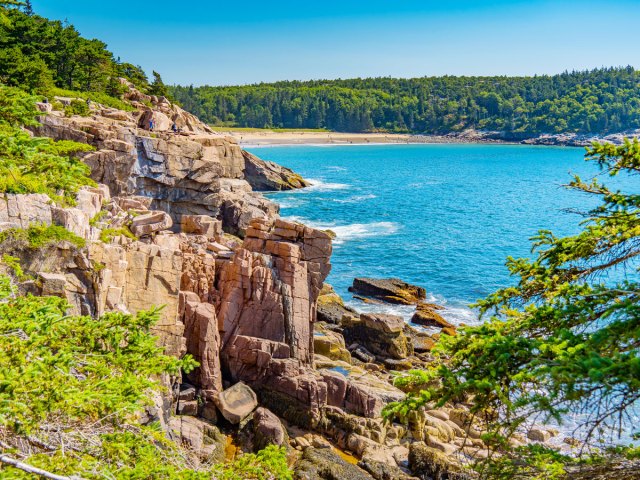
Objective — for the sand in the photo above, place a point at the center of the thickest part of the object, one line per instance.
(269, 137)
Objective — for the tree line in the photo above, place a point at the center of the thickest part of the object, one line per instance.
(603, 100)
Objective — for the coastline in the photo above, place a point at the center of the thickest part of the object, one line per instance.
(267, 138)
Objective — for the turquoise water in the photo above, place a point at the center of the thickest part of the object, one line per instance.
(441, 216)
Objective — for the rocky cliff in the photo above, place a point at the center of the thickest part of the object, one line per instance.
(175, 221)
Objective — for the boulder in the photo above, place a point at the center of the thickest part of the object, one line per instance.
(53, 284)
(236, 403)
(330, 344)
(539, 435)
(325, 464)
(267, 430)
(383, 470)
(427, 316)
(149, 223)
(201, 225)
(429, 462)
(381, 334)
(390, 290)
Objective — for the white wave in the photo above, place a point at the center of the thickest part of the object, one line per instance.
(336, 169)
(363, 230)
(321, 186)
(350, 232)
(290, 202)
(354, 199)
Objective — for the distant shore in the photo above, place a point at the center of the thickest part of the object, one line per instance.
(259, 138)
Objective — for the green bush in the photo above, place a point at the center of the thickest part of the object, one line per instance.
(36, 165)
(77, 107)
(84, 379)
(108, 234)
(41, 235)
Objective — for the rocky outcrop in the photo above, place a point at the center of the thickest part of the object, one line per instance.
(270, 287)
(391, 290)
(269, 176)
(271, 339)
(195, 172)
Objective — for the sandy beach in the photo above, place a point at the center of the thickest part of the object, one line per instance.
(270, 137)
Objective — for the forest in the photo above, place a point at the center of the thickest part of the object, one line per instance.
(50, 57)
(600, 101)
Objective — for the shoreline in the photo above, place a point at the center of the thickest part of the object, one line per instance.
(272, 138)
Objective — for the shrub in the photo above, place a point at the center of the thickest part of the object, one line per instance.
(77, 107)
(38, 236)
(108, 234)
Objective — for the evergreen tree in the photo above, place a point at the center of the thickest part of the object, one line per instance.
(565, 340)
(158, 87)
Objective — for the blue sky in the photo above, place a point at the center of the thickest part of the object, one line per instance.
(239, 42)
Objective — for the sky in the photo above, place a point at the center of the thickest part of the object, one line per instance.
(242, 42)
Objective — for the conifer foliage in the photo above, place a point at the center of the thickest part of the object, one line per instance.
(565, 339)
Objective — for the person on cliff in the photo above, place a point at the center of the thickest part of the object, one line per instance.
(151, 125)
(174, 128)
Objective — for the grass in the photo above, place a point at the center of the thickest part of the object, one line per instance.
(98, 97)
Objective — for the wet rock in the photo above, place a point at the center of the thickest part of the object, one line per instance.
(324, 464)
(391, 290)
(361, 353)
(331, 307)
(426, 315)
(236, 403)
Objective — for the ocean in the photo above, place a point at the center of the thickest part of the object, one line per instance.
(444, 217)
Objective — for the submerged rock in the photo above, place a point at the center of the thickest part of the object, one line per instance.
(390, 290)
